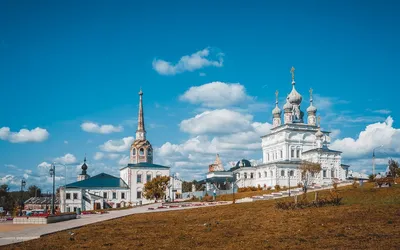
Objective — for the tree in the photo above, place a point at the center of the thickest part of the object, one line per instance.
(6, 200)
(186, 186)
(34, 191)
(155, 189)
(308, 171)
(393, 167)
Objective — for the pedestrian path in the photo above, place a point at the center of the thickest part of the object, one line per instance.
(30, 233)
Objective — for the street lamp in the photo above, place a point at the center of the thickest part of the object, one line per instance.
(290, 172)
(373, 159)
(23, 183)
(53, 174)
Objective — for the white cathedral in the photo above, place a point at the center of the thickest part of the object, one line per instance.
(285, 147)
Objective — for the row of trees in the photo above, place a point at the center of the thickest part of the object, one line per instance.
(9, 200)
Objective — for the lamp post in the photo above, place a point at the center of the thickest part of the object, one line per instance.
(290, 171)
(53, 174)
(23, 183)
(373, 159)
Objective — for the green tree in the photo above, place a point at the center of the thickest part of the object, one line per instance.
(6, 200)
(156, 188)
(308, 171)
(393, 167)
(34, 191)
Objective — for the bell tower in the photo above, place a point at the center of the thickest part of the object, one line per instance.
(141, 149)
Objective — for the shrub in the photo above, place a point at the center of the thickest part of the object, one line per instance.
(277, 187)
(333, 200)
(269, 188)
(355, 184)
(299, 185)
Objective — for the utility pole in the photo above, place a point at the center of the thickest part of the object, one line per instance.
(53, 174)
(23, 183)
(373, 159)
(289, 180)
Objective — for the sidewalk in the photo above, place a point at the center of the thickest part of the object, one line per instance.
(31, 233)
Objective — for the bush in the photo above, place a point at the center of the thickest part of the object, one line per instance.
(269, 188)
(299, 185)
(355, 184)
(277, 187)
(333, 200)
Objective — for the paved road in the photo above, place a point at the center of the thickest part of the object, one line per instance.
(30, 233)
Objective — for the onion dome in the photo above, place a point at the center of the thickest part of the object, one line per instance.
(243, 163)
(84, 166)
(288, 106)
(311, 109)
(294, 97)
(319, 134)
(276, 112)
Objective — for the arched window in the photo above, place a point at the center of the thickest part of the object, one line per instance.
(282, 172)
(141, 151)
(298, 153)
(267, 157)
(259, 175)
(265, 174)
(281, 154)
(149, 152)
(272, 173)
(292, 153)
(245, 175)
(251, 175)
(291, 173)
(134, 151)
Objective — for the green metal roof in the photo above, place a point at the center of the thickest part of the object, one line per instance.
(102, 180)
(145, 165)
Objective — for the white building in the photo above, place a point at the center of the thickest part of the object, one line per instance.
(285, 147)
(104, 191)
(290, 143)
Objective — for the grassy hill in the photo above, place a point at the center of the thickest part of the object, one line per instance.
(368, 219)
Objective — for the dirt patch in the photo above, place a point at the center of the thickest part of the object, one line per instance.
(8, 226)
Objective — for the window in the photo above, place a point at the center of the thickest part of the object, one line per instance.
(75, 209)
(298, 153)
(141, 151)
(281, 154)
(259, 175)
(333, 173)
(68, 197)
(114, 195)
(75, 195)
(149, 152)
(272, 173)
(105, 195)
(312, 174)
(158, 175)
(148, 177)
(324, 173)
(122, 195)
(291, 173)
(245, 175)
(265, 174)
(238, 175)
(139, 178)
(282, 172)
(267, 157)
(139, 194)
(292, 153)
(251, 175)
(134, 151)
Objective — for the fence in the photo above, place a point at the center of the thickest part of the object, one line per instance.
(188, 195)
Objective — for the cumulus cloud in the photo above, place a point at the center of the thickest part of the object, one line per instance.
(24, 135)
(216, 121)
(123, 161)
(92, 127)
(192, 62)
(382, 111)
(374, 135)
(216, 94)
(98, 155)
(66, 159)
(121, 145)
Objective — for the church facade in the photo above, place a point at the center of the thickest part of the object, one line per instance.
(288, 144)
(107, 191)
(290, 141)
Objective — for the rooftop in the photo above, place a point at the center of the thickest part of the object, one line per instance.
(102, 180)
(145, 165)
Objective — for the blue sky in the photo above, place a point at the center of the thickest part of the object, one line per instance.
(66, 63)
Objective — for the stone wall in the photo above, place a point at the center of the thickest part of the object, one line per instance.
(43, 220)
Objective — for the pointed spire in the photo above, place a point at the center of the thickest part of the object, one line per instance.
(292, 71)
(140, 132)
(84, 160)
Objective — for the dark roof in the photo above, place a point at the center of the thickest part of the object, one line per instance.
(102, 180)
(145, 165)
(219, 179)
(344, 165)
(323, 149)
(41, 200)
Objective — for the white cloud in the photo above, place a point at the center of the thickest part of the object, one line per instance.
(98, 156)
(10, 180)
(374, 135)
(65, 142)
(66, 159)
(217, 121)
(202, 74)
(382, 111)
(92, 127)
(44, 165)
(24, 135)
(123, 161)
(334, 133)
(192, 62)
(121, 145)
(216, 94)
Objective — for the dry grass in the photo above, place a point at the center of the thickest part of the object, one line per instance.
(369, 219)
